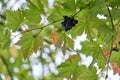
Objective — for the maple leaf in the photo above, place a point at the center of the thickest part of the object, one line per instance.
(30, 44)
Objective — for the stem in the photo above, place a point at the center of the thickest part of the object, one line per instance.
(7, 66)
(108, 60)
(111, 20)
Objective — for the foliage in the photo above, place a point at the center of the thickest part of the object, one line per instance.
(103, 37)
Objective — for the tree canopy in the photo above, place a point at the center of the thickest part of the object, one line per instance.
(35, 26)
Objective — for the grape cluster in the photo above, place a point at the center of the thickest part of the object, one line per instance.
(68, 23)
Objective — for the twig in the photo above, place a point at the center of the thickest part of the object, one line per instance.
(108, 60)
(38, 28)
(8, 69)
(111, 20)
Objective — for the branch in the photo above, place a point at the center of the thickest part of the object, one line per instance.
(111, 20)
(108, 60)
(41, 28)
(2, 16)
(7, 66)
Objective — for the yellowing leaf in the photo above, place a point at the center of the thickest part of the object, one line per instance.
(13, 51)
(7, 77)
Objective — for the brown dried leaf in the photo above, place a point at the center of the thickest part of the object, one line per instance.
(55, 38)
(115, 68)
(106, 53)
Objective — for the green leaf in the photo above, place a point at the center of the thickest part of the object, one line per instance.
(114, 3)
(39, 5)
(32, 15)
(45, 3)
(90, 47)
(88, 75)
(14, 19)
(101, 60)
(70, 5)
(69, 67)
(69, 41)
(58, 13)
(115, 14)
(46, 32)
(30, 44)
(115, 57)
(79, 4)
(5, 39)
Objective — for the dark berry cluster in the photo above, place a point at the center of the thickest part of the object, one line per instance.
(68, 23)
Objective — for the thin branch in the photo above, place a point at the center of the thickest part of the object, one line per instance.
(40, 28)
(2, 16)
(47, 25)
(108, 60)
(111, 20)
(7, 66)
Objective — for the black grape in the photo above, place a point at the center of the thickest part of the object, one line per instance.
(68, 23)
